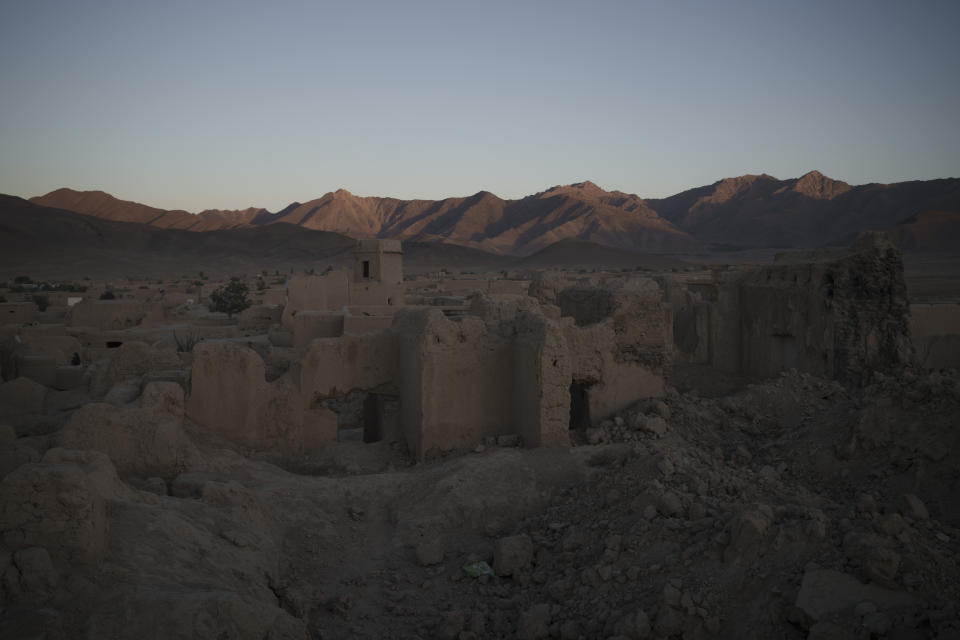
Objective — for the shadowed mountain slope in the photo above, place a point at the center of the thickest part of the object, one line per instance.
(483, 221)
(52, 242)
(572, 253)
(49, 242)
(751, 211)
(762, 211)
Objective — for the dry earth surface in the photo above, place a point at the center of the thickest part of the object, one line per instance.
(791, 508)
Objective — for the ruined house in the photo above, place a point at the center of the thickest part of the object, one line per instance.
(506, 367)
(347, 301)
(530, 369)
(837, 313)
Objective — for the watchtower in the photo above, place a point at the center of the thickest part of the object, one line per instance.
(378, 260)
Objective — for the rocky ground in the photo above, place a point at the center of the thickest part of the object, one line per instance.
(793, 508)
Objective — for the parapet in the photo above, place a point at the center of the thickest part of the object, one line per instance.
(379, 245)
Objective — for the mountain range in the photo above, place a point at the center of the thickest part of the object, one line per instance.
(56, 243)
(751, 211)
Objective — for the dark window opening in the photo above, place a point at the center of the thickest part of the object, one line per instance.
(366, 268)
(114, 344)
(579, 405)
(373, 418)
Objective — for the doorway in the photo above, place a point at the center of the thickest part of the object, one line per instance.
(580, 405)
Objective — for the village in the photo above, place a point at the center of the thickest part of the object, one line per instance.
(134, 415)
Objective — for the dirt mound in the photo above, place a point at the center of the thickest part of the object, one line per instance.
(792, 508)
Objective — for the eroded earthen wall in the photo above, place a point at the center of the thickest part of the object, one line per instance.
(842, 316)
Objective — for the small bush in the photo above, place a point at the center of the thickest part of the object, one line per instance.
(41, 300)
(186, 342)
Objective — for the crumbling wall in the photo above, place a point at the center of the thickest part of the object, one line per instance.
(641, 321)
(465, 385)
(620, 340)
(836, 314)
(611, 383)
(370, 293)
(18, 312)
(132, 361)
(330, 291)
(309, 325)
(725, 318)
(543, 370)
(785, 321)
(935, 330)
(336, 366)
(545, 287)
(229, 395)
(115, 314)
(690, 303)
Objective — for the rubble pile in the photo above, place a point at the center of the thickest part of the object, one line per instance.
(795, 508)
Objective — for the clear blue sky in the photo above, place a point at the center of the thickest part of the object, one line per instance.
(205, 104)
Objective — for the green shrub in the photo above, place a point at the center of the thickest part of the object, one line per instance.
(229, 299)
(41, 300)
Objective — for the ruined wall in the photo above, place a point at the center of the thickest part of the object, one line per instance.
(611, 384)
(328, 292)
(333, 368)
(114, 314)
(229, 395)
(465, 385)
(835, 314)
(18, 312)
(620, 338)
(542, 368)
(370, 293)
(935, 329)
(360, 325)
(308, 325)
(641, 321)
(336, 366)
(724, 319)
(690, 303)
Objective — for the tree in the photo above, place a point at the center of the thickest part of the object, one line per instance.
(41, 300)
(229, 299)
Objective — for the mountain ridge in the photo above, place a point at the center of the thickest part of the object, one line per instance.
(748, 211)
(51, 242)
(482, 220)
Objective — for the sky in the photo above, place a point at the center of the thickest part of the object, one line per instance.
(209, 104)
